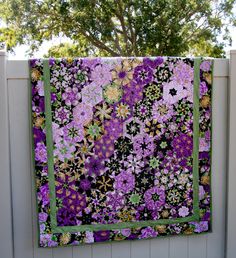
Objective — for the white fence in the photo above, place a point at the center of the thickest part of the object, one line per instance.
(17, 200)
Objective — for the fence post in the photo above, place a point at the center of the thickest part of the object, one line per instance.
(231, 182)
(6, 231)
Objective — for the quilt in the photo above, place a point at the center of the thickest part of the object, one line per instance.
(121, 148)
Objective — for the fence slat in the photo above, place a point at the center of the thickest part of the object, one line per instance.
(20, 168)
(159, 248)
(140, 249)
(231, 225)
(197, 247)
(121, 249)
(101, 251)
(178, 247)
(216, 240)
(84, 251)
(62, 252)
(6, 234)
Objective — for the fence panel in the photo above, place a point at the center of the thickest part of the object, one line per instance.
(24, 220)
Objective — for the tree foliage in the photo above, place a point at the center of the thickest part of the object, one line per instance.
(120, 27)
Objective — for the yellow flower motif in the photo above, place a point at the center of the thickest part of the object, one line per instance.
(153, 128)
(65, 238)
(38, 183)
(207, 77)
(205, 101)
(205, 180)
(165, 214)
(112, 93)
(122, 110)
(123, 73)
(39, 121)
(35, 74)
(104, 183)
(125, 216)
(69, 60)
(188, 231)
(161, 229)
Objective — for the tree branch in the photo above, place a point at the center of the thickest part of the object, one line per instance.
(120, 16)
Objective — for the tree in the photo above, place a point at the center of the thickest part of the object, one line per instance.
(122, 27)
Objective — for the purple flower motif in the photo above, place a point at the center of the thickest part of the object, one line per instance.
(205, 66)
(82, 114)
(57, 132)
(64, 150)
(204, 145)
(38, 135)
(115, 200)
(201, 226)
(89, 237)
(183, 145)
(143, 145)
(91, 63)
(153, 63)
(94, 165)
(132, 93)
(143, 74)
(208, 135)
(66, 217)
(126, 232)
(75, 202)
(41, 152)
(62, 115)
(73, 132)
(124, 182)
(65, 186)
(33, 62)
(134, 164)
(85, 184)
(104, 147)
(113, 128)
(43, 216)
(39, 107)
(154, 198)
(162, 111)
(101, 75)
(71, 96)
(46, 240)
(183, 211)
(100, 236)
(42, 227)
(44, 194)
(40, 88)
(148, 232)
(173, 92)
(182, 73)
(203, 88)
(201, 192)
(92, 94)
(51, 62)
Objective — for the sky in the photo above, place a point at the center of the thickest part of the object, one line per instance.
(21, 51)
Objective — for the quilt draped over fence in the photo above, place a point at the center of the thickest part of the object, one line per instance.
(122, 148)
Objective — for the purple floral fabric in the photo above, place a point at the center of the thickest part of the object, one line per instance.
(122, 135)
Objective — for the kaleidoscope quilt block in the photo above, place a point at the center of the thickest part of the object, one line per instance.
(122, 148)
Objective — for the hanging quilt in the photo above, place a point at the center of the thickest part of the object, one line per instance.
(122, 148)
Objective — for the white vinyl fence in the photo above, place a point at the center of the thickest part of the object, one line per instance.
(17, 200)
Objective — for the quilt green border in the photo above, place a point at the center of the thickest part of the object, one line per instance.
(49, 142)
